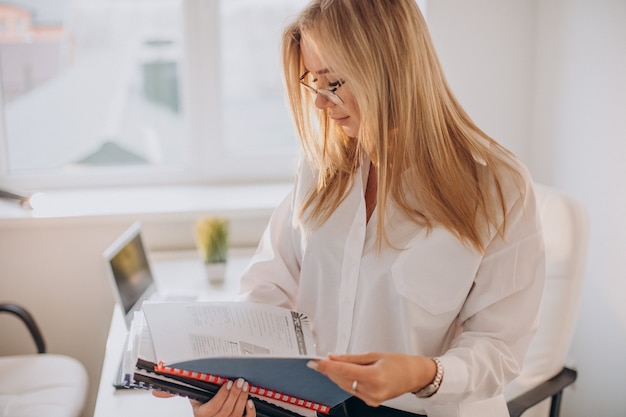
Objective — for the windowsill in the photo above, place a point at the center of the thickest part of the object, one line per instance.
(152, 202)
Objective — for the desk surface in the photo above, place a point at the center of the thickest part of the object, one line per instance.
(173, 274)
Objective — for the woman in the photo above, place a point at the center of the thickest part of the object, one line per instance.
(411, 238)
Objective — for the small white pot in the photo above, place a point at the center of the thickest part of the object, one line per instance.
(216, 272)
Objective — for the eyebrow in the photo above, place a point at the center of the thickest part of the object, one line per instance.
(320, 72)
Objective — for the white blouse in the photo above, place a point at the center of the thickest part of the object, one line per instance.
(435, 296)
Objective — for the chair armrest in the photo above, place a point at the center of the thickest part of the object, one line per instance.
(550, 388)
(28, 320)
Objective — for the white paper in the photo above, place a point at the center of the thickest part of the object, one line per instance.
(191, 330)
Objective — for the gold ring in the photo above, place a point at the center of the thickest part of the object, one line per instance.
(355, 384)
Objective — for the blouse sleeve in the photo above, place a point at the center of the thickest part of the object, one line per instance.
(273, 275)
(500, 314)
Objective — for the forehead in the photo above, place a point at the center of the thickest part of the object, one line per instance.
(311, 58)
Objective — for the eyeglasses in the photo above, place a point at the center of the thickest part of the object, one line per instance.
(328, 93)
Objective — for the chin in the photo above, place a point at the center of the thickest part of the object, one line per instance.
(353, 133)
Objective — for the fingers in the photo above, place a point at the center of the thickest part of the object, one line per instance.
(231, 400)
(367, 358)
(251, 410)
(343, 373)
(344, 365)
(161, 394)
(373, 377)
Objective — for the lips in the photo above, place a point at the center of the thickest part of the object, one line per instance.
(340, 120)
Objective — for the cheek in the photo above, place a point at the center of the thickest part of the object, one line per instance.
(355, 118)
(353, 110)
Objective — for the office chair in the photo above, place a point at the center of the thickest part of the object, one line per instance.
(544, 374)
(41, 384)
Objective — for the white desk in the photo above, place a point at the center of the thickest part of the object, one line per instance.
(180, 273)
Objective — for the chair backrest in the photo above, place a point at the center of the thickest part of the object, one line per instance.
(566, 227)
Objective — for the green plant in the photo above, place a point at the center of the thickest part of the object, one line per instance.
(212, 239)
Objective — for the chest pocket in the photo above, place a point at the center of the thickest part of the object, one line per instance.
(436, 272)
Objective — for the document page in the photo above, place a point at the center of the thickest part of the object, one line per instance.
(193, 330)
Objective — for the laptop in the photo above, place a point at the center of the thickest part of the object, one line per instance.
(132, 280)
(131, 275)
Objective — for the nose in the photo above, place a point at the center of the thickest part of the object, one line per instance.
(322, 102)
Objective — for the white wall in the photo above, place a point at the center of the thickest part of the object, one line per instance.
(55, 270)
(561, 105)
(579, 144)
(486, 48)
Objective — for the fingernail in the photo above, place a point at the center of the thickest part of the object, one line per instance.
(312, 365)
(229, 385)
(239, 383)
(250, 404)
(246, 386)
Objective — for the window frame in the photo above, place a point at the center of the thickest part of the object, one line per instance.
(209, 161)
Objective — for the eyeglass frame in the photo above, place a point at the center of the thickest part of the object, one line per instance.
(327, 93)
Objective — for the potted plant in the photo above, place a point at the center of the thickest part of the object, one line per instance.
(212, 242)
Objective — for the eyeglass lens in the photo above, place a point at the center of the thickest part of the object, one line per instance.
(327, 94)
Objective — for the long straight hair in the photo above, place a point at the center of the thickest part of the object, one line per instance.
(432, 161)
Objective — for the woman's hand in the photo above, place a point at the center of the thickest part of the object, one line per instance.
(230, 401)
(379, 376)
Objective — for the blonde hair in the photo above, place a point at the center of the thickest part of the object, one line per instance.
(432, 161)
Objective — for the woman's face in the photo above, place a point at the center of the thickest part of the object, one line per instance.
(346, 114)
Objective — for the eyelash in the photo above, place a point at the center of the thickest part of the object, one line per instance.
(331, 84)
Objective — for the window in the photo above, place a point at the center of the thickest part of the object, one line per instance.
(110, 92)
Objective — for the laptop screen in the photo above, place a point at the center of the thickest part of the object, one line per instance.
(129, 268)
